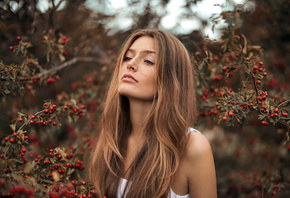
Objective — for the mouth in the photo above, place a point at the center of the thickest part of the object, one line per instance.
(128, 77)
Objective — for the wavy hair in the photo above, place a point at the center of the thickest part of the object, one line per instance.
(173, 111)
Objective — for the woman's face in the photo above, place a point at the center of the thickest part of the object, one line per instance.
(137, 73)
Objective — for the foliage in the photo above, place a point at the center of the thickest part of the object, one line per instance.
(53, 82)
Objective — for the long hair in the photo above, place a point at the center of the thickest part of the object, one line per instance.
(173, 111)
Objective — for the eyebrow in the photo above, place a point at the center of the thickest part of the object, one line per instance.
(143, 51)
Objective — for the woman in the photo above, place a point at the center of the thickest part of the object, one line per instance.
(145, 147)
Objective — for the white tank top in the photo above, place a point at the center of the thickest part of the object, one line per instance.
(123, 182)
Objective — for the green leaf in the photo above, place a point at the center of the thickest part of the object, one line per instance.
(28, 167)
(17, 176)
(61, 58)
(13, 127)
(70, 171)
(3, 164)
(262, 117)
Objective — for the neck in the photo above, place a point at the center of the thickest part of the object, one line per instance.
(138, 113)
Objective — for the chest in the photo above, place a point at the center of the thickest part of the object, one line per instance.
(179, 183)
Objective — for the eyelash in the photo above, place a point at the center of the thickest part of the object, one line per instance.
(146, 61)
(149, 62)
(126, 58)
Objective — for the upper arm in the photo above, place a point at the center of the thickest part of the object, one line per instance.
(200, 167)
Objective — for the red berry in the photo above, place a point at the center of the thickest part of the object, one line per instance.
(247, 59)
(261, 63)
(83, 183)
(276, 110)
(225, 118)
(12, 140)
(73, 182)
(18, 38)
(265, 123)
(20, 120)
(11, 47)
(230, 113)
(216, 58)
(225, 68)
(31, 122)
(255, 67)
(258, 82)
(54, 123)
(6, 139)
(50, 80)
(264, 74)
(33, 116)
(28, 88)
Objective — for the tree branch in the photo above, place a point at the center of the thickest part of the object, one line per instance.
(63, 65)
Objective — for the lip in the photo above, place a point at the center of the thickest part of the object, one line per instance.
(128, 78)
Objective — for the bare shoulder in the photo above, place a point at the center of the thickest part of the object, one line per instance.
(197, 146)
(199, 167)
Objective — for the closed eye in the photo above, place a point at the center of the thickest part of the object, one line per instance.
(149, 62)
(127, 58)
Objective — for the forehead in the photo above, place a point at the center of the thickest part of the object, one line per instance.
(144, 43)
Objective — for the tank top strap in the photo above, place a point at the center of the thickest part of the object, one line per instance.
(190, 129)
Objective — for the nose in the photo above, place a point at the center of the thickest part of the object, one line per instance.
(132, 65)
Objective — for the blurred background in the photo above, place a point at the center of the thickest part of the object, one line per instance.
(86, 35)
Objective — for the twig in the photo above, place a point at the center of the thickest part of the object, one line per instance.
(255, 85)
(62, 66)
(208, 106)
(39, 112)
(73, 61)
(7, 150)
(283, 103)
(285, 118)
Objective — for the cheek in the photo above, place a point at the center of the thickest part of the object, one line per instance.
(153, 81)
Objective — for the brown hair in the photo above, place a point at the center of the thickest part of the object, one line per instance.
(173, 111)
